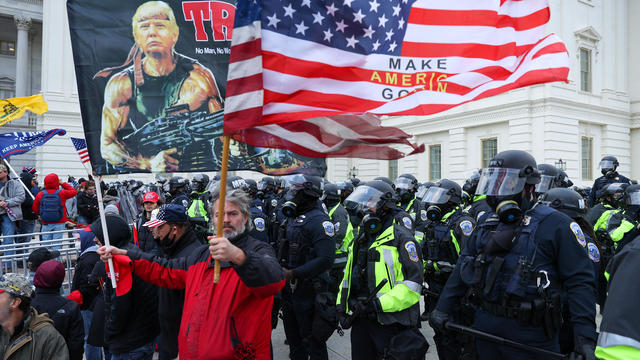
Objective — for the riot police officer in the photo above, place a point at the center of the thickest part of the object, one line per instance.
(570, 203)
(343, 232)
(306, 251)
(200, 199)
(618, 227)
(608, 167)
(177, 191)
(446, 232)
(382, 283)
(345, 188)
(516, 264)
(549, 178)
(609, 198)
(478, 203)
(406, 186)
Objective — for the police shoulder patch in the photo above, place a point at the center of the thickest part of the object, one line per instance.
(466, 227)
(406, 221)
(594, 253)
(328, 228)
(274, 202)
(259, 223)
(423, 215)
(185, 203)
(412, 251)
(577, 231)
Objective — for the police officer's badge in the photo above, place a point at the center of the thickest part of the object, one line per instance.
(412, 251)
(577, 231)
(336, 226)
(259, 223)
(328, 228)
(423, 215)
(466, 227)
(407, 222)
(594, 253)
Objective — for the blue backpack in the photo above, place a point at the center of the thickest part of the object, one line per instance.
(51, 207)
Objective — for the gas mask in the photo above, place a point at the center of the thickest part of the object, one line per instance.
(511, 208)
(434, 213)
(405, 195)
(371, 223)
(290, 207)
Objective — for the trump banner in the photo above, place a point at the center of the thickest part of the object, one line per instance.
(152, 83)
(15, 143)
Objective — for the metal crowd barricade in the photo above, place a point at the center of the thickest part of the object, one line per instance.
(13, 257)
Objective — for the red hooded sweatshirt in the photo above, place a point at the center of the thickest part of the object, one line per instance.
(51, 184)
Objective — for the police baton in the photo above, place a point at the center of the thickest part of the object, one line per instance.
(465, 330)
(348, 321)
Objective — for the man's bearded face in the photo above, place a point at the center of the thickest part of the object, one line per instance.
(234, 221)
(156, 34)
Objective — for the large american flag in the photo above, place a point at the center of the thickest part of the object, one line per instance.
(314, 76)
(81, 147)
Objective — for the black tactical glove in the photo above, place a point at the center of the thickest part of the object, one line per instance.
(438, 319)
(584, 349)
(366, 309)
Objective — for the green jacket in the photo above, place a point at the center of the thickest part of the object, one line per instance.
(397, 259)
(37, 340)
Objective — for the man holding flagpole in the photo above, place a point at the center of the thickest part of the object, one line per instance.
(11, 197)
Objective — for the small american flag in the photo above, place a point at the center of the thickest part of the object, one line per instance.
(81, 148)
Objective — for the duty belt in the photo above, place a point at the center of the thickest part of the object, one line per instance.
(523, 312)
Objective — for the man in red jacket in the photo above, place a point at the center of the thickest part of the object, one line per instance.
(230, 319)
(51, 185)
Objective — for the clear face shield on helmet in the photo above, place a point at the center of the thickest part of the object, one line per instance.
(436, 195)
(363, 198)
(403, 183)
(633, 198)
(500, 182)
(607, 164)
(546, 183)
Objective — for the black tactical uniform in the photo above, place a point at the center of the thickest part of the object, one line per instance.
(477, 204)
(516, 264)
(608, 166)
(177, 190)
(445, 234)
(307, 251)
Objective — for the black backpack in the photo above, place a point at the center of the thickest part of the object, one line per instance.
(51, 210)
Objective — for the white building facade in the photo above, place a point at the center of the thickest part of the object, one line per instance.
(572, 125)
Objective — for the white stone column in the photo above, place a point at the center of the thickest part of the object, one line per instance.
(23, 24)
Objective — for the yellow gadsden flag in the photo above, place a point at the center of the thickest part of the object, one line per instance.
(11, 109)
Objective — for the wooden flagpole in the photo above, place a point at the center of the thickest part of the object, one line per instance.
(221, 201)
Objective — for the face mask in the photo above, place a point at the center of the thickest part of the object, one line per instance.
(405, 196)
(434, 213)
(371, 223)
(510, 208)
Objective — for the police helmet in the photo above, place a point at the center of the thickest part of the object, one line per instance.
(549, 177)
(233, 183)
(632, 195)
(508, 173)
(471, 183)
(423, 188)
(564, 180)
(373, 195)
(386, 180)
(345, 188)
(444, 191)
(200, 181)
(608, 163)
(177, 182)
(331, 192)
(355, 181)
(566, 201)
(266, 184)
(406, 182)
(615, 192)
(251, 186)
(310, 185)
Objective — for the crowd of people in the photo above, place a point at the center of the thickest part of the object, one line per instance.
(511, 265)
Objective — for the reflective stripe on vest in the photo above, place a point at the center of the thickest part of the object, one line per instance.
(607, 339)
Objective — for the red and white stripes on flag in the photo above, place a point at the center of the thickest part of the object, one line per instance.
(81, 147)
(287, 89)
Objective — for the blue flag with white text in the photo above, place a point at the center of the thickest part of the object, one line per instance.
(15, 143)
